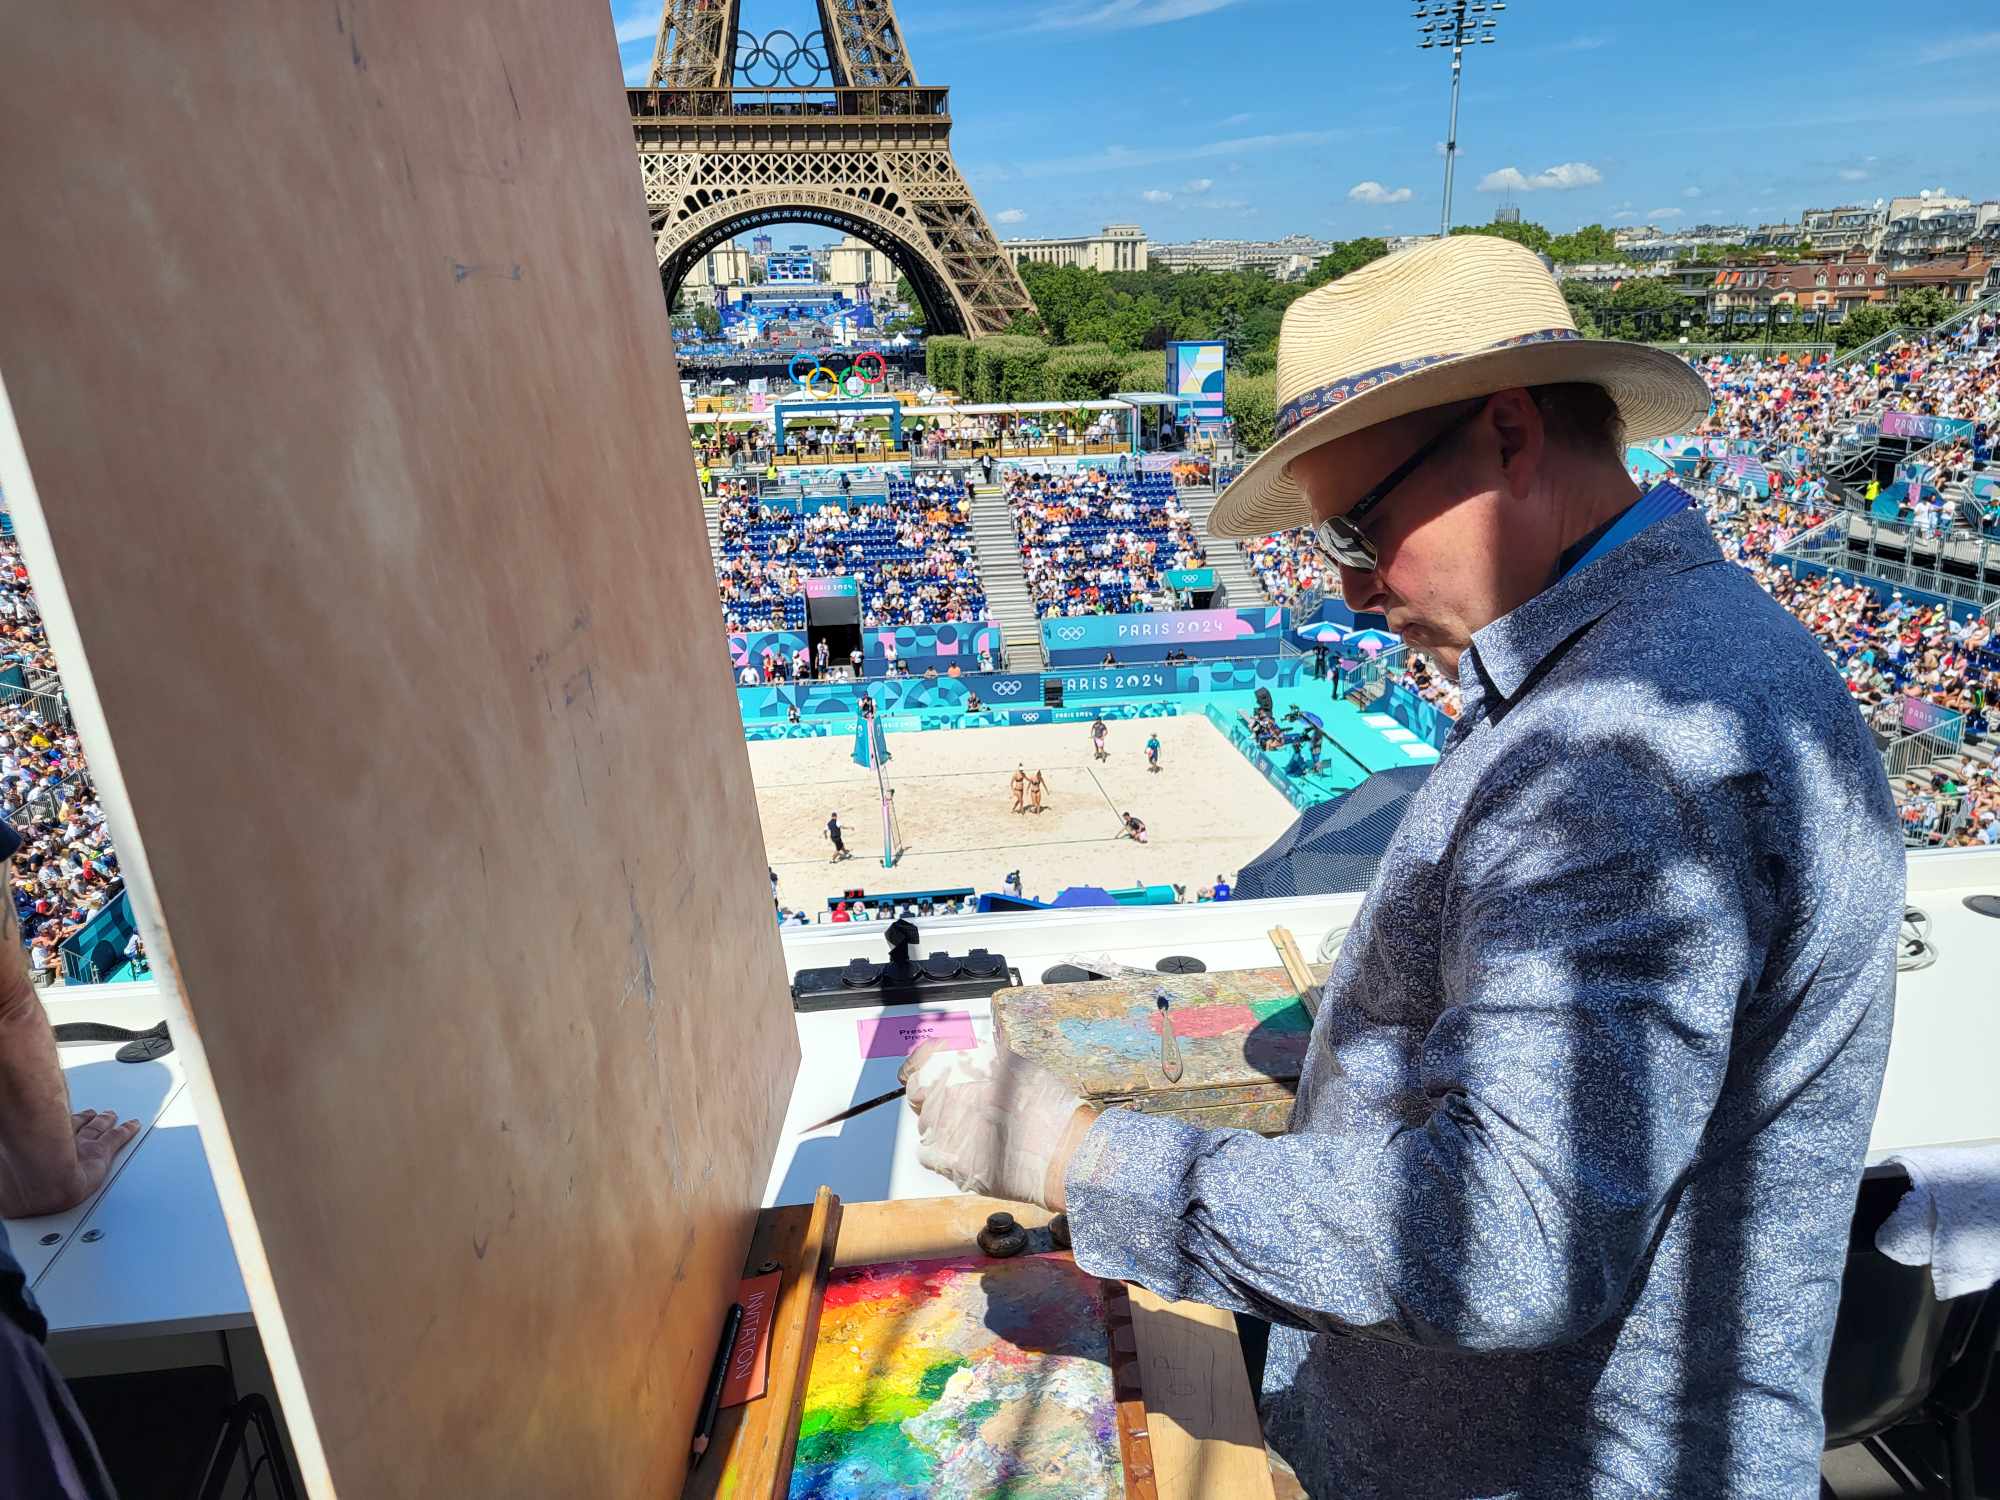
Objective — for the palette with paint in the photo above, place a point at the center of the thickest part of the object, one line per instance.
(1242, 1037)
(968, 1379)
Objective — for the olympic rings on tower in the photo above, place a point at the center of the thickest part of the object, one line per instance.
(781, 58)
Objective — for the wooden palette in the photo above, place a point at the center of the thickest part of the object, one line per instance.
(1187, 1420)
(1242, 1036)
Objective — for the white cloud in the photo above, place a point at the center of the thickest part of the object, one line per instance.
(1157, 195)
(1124, 14)
(640, 27)
(635, 73)
(1691, 192)
(1560, 179)
(1010, 216)
(1198, 185)
(1624, 218)
(1965, 46)
(1439, 149)
(1234, 120)
(1374, 192)
(1659, 215)
(1585, 44)
(1853, 174)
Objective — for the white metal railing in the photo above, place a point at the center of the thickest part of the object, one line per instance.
(1908, 755)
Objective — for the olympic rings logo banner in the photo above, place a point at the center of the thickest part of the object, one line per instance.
(869, 371)
(779, 58)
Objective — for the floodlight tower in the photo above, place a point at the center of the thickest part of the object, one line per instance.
(1456, 24)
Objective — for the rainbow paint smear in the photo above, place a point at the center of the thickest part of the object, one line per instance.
(961, 1380)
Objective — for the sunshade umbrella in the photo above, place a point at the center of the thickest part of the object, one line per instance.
(1336, 846)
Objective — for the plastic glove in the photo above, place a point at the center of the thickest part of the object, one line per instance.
(995, 1123)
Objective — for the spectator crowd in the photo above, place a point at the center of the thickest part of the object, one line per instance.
(66, 872)
(912, 554)
(1094, 543)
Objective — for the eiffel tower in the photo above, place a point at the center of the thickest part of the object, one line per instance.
(736, 131)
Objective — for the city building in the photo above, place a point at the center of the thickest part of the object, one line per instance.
(1121, 247)
(1286, 259)
(855, 265)
(1607, 274)
(727, 264)
(1850, 227)
(1932, 225)
(1961, 278)
(1646, 244)
(762, 244)
(1789, 291)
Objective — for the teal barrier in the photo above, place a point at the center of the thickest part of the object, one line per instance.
(942, 702)
(1426, 721)
(1145, 895)
(98, 952)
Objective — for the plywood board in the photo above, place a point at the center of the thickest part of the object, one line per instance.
(346, 447)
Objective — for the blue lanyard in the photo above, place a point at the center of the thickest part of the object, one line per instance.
(1658, 504)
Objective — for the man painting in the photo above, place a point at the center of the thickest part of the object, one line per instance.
(1564, 1202)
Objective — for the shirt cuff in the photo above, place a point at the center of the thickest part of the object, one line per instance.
(1125, 1191)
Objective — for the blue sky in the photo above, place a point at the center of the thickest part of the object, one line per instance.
(1257, 118)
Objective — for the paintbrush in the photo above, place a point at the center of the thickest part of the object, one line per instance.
(1170, 1046)
(857, 1109)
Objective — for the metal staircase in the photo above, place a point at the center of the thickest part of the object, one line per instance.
(998, 548)
(1232, 568)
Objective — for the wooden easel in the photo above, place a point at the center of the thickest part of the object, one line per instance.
(1200, 1417)
(343, 437)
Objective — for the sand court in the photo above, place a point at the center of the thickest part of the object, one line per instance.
(1206, 812)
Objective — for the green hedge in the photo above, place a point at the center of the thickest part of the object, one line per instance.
(1081, 372)
(1143, 371)
(1252, 403)
(947, 363)
(1007, 368)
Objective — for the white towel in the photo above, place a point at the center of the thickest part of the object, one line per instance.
(1950, 1218)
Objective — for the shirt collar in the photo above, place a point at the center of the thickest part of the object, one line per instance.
(1510, 650)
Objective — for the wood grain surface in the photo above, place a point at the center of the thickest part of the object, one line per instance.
(351, 470)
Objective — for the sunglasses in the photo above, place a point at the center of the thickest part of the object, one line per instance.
(1340, 538)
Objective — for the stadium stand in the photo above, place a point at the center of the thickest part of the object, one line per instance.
(912, 552)
(66, 872)
(1094, 543)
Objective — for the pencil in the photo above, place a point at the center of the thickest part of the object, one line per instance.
(712, 1400)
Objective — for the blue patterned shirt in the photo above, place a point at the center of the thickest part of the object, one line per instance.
(1564, 1204)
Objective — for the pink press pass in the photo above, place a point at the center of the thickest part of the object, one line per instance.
(899, 1036)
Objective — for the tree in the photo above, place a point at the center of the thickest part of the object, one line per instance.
(1642, 307)
(1345, 258)
(756, 273)
(1591, 245)
(1585, 302)
(1865, 324)
(709, 321)
(1924, 307)
(1526, 233)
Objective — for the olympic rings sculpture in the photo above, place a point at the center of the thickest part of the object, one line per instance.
(853, 380)
(782, 56)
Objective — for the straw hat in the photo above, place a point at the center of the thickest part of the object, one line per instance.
(1447, 321)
